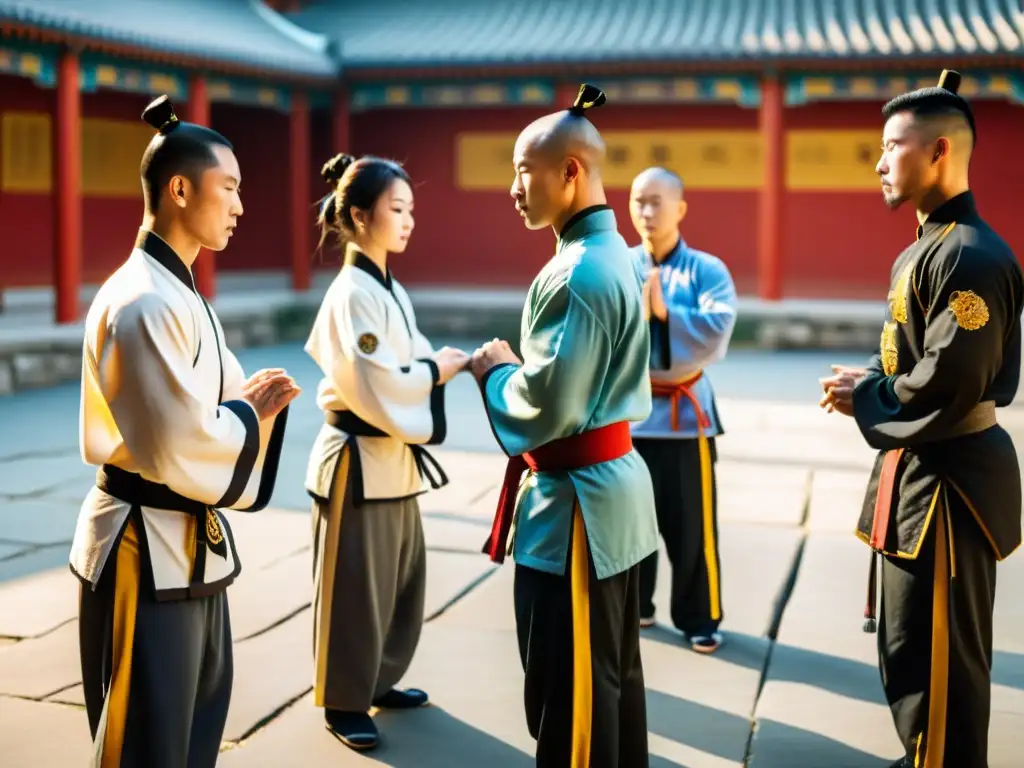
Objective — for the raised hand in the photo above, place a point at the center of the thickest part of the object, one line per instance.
(269, 391)
(838, 389)
(494, 352)
(450, 361)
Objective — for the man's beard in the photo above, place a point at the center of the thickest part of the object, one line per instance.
(893, 201)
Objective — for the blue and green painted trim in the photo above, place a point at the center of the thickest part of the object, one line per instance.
(39, 63)
(804, 89)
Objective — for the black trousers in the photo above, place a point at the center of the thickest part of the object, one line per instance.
(579, 641)
(156, 676)
(935, 640)
(690, 533)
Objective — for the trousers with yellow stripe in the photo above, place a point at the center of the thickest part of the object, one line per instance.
(935, 641)
(685, 500)
(579, 642)
(156, 676)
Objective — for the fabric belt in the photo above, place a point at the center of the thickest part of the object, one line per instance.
(574, 452)
(676, 391)
(980, 418)
(351, 424)
(134, 489)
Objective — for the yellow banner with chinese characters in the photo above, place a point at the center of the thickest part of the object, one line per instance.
(111, 153)
(728, 159)
(833, 160)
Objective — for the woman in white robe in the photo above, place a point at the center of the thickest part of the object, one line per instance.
(382, 395)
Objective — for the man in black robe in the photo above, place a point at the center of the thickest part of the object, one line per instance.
(943, 504)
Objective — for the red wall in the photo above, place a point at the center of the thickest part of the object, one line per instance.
(835, 244)
(262, 241)
(479, 233)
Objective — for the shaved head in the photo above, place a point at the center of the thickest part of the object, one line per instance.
(656, 207)
(557, 161)
(563, 135)
(665, 181)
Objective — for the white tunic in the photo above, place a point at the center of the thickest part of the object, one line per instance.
(162, 415)
(379, 391)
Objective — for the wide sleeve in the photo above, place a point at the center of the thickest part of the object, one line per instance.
(260, 487)
(405, 401)
(566, 354)
(696, 336)
(965, 330)
(203, 451)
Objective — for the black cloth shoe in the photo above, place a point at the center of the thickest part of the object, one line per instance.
(353, 729)
(410, 698)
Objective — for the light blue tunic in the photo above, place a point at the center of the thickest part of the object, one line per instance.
(585, 352)
(701, 301)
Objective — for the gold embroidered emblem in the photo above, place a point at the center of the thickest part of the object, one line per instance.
(214, 534)
(367, 343)
(890, 352)
(898, 295)
(969, 309)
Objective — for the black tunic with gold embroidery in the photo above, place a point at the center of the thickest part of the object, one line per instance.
(949, 355)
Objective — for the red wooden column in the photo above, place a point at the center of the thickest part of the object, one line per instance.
(299, 193)
(773, 190)
(204, 269)
(341, 123)
(67, 190)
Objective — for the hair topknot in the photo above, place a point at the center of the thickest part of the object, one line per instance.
(160, 114)
(335, 168)
(588, 97)
(937, 100)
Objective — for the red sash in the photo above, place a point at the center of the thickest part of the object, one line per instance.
(574, 452)
(883, 501)
(675, 390)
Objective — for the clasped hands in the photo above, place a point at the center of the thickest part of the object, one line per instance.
(269, 391)
(653, 297)
(838, 389)
(451, 361)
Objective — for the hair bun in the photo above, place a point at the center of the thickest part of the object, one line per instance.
(335, 168)
(160, 114)
(949, 80)
(589, 96)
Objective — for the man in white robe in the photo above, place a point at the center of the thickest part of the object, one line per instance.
(177, 431)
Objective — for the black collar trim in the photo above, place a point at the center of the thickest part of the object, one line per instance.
(359, 260)
(157, 247)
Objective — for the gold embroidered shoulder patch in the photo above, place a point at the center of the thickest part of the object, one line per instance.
(969, 309)
(368, 343)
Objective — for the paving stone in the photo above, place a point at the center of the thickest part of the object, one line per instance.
(37, 604)
(73, 695)
(758, 493)
(836, 499)
(9, 550)
(40, 666)
(467, 724)
(42, 474)
(267, 536)
(455, 531)
(270, 670)
(42, 734)
(39, 521)
(261, 597)
(34, 561)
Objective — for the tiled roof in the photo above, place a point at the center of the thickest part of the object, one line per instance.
(409, 33)
(240, 32)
